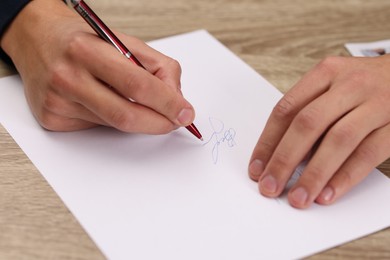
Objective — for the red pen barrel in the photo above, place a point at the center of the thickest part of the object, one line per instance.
(106, 34)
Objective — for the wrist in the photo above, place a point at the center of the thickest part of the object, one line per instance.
(30, 24)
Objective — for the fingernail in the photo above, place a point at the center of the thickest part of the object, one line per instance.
(268, 184)
(300, 196)
(185, 116)
(327, 194)
(256, 168)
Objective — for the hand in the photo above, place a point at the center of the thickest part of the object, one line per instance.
(337, 116)
(67, 70)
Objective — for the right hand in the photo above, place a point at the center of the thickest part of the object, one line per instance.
(67, 70)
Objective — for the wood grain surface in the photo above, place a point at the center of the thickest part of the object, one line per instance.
(281, 39)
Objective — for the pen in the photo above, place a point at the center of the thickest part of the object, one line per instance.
(106, 34)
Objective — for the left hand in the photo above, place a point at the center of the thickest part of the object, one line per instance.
(342, 108)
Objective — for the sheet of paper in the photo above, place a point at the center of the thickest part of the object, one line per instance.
(369, 49)
(174, 197)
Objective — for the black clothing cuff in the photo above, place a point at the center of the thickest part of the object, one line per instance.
(8, 11)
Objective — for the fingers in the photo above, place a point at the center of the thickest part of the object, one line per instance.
(371, 152)
(335, 149)
(54, 105)
(305, 129)
(84, 102)
(160, 65)
(125, 115)
(311, 86)
(56, 113)
(137, 84)
(54, 122)
(341, 109)
(93, 103)
(117, 111)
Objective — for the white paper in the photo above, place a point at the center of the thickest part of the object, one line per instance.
(369, 49)
(172, 196)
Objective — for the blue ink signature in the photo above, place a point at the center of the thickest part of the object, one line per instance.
(220, 136)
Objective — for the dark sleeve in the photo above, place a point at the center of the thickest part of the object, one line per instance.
(8, 10)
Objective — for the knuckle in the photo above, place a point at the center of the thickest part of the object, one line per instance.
(134, 87)
(57, 76)
(76, 45)
(266, 147)
(263, 150)
(359, 76)
(122, 121)
(282, 160)
(342, 134)
(174, 65)
(47, 120)
(171, 105)
(308, 119)
(357, 81)
(285, 108)
(367, 154)
(58, 79)
(330, 64)
(382, 100)
(346, 178)
(50, 102)
(315, 175)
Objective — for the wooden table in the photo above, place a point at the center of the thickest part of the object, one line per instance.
(281, 39)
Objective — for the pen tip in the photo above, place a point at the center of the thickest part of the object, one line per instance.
(201, 138)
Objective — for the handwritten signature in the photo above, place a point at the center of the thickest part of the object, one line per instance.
(220, 136)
